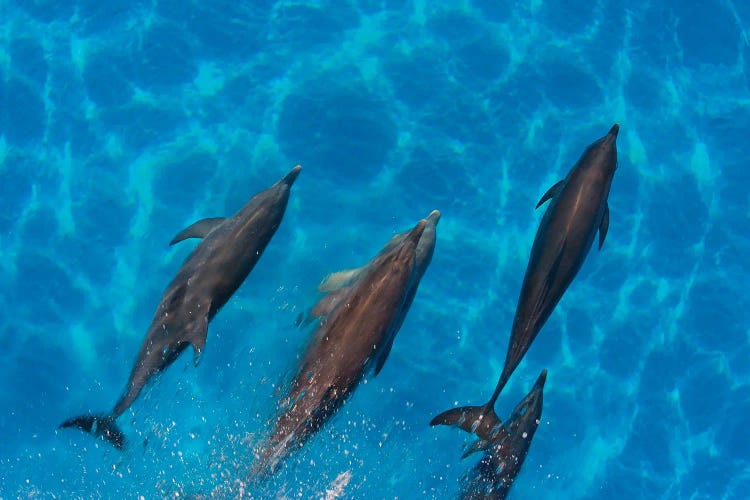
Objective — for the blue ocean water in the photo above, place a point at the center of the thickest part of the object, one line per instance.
(125, 121)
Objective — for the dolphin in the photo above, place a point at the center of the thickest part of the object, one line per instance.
(338, 284)
(492, 477)
(577, 210)
(213, 271)
(353, 334)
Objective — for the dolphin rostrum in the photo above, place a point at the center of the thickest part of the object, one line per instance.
(354, 333)
(218, 265)
(577, 210)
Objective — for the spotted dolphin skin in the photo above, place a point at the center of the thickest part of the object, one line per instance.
(354, 333)
(229, 250)
(577, 210)
(492, 477)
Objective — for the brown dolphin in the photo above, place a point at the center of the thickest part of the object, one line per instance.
(339, 284)
(354, 333)
(493, 476)
(211, 274)
(577, 210)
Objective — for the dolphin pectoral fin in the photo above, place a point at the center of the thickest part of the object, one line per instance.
(324, 306)
(604, 226)
(551, 193)
(334, 281)
(198, 230)
(197, 338)
(479, 420)
(383, 355)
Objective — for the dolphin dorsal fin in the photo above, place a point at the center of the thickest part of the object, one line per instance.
(604, 226)
(341, 279)
(198, 229)
(551, 192)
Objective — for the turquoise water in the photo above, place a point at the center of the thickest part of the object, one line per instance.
(123, 122)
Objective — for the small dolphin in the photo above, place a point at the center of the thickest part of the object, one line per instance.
(354, 332)
(577, 210)
(492, 477)
(211, 274)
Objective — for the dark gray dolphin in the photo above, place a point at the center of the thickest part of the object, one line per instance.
(577, 210)
(207, 279)
(354, 335)
(492, 477)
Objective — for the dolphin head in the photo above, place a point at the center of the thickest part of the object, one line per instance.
(426, 245)
(602, 154)
(525, 416)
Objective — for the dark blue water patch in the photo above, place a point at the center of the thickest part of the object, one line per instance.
(107, 78)
(430, 179)
(650, 437)
(142, 125)
(303, 26)
(483, 59)
(97, 17)
(663, 369)
(72, 129)
(24, 113)
(183, 182)
(680, 228)
(17, 177)
(610, 37)
(418, 78)
(732, 438)
(570, 18)
(567, 85)
(40, 228)
(704, 392)
(48, 10)
(653, 45)
(620, 481)
(580, 328)
(498, 11)
(165, 57)
(27, 59)
(102, 211)
(342, 131)
(47, 287)
(644, 89)
(452, 26)
(725, 137)
(707, 33)
(89, 256)
(228, 30)
(715, 317)
(622, 350)
(461, 118)
(709, 476)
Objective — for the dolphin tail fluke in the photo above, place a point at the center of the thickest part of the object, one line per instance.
(479, 420)
(102, 426)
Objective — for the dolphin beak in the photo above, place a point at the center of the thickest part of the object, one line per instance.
(612, 134)
(291, 176)
(434, 217)
(539, 385)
